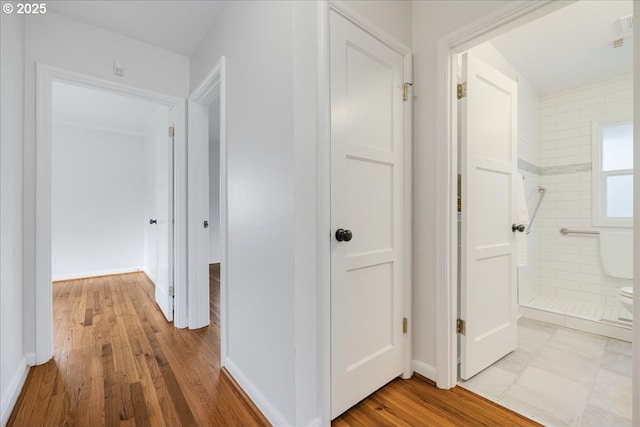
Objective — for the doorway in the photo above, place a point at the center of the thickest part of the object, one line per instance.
(207, 202)
(46, 78)
(558, 157)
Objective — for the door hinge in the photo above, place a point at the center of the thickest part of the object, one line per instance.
(405, 325)
(462, 90)
(171, 291)
(405, 91)
(461, 327)
(171, 131)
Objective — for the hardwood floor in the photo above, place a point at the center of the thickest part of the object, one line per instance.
(417, 402)
(118, 362)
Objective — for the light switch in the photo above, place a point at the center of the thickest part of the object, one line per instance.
(118, 68)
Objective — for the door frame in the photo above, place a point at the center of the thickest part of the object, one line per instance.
(512, 15)
(211, 88)
(45, 76)
(324, 191)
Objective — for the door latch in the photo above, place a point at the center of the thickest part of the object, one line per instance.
(206, 224)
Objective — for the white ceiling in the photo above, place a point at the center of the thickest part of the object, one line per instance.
(177, 26)
(99, 109)
(570, 47)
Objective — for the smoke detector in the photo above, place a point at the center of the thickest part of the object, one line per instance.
(626, 23)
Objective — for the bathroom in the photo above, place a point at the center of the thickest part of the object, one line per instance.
(573, 362)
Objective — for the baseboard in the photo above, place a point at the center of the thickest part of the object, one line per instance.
(31, 359)
(268, 410)
(13, 390)
(425, 370)
(316, 422)
(99, 273)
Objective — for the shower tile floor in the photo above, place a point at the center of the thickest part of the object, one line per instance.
(584, 309)
(561, 377)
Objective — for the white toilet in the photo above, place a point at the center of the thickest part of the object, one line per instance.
(616, 252)
(626, 298)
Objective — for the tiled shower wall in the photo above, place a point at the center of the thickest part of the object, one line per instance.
(528, 158)
(570, 265)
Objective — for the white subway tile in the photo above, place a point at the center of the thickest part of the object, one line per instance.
(591, 269)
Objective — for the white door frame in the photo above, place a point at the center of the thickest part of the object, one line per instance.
(45, 76)
(324, 193)
(512, 15)
(211, 88)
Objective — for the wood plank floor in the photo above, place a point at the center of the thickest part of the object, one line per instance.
(417, 402)
(118, 362)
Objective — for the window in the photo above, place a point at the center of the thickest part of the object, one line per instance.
(612, 172)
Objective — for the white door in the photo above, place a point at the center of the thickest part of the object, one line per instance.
(366, 201)
(164, 284)
(488, 131)
(198, 161)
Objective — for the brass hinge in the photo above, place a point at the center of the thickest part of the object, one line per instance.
(462, 90)
(171, 132)
(461, 327)
(405, 325)
(405, 91)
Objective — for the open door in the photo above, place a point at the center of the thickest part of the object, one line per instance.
(164, 284)
(488, 297)
(366, 214)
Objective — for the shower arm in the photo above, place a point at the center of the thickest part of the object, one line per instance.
(541, 191)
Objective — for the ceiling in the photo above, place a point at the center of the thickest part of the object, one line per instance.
(177, 26)
(570, 47)
(99, 109)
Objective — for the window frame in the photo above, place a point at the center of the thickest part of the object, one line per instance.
(599, 177)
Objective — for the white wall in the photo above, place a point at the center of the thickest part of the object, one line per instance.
(97, 202)
(431, 21)
(636, 221)
(571, 265)
(257, 40)
(13, 364)
(60, 42)
(214, 182)
(273, 199)
(391, 16)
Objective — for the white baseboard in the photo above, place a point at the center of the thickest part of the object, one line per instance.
(31, 359)
(82, 275)
(268, 410)
(425, 370)
(13, 391)
(316, 422)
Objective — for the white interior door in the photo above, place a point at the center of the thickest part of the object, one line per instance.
(164, 285)
(488, 304)
(198, 159)
(366, 200)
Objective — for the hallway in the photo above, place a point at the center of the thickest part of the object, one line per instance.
(118, 362)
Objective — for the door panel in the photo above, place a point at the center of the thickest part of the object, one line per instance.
(198, 175)
(164, 209)
(488, 295)
(369, 197)
(366, 198)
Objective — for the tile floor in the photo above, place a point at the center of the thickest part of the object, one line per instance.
(561, 377)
